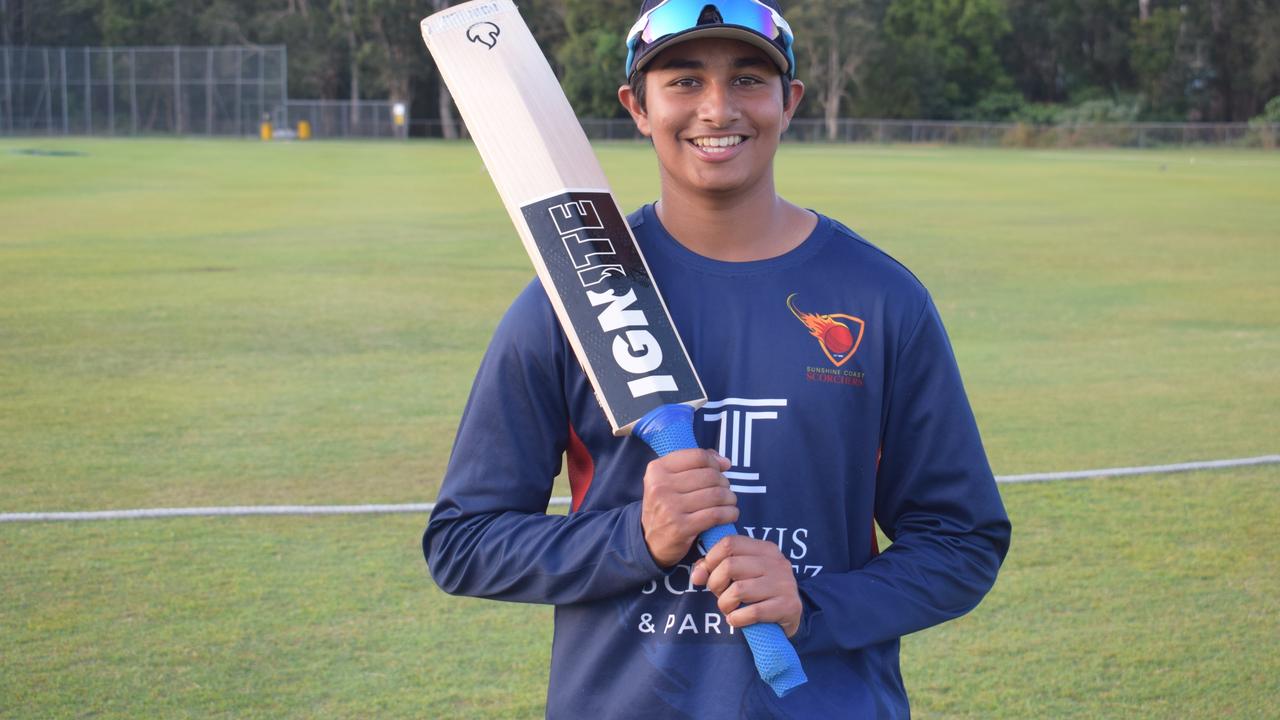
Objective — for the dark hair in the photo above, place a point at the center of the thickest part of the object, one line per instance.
(637, 88)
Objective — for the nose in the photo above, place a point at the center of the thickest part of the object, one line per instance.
(719, 107)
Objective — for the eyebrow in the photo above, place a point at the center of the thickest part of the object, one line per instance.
(679, 63)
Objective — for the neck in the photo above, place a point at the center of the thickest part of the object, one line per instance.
(734, 227)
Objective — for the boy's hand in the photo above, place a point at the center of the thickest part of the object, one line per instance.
(742, 570)
(685, 493)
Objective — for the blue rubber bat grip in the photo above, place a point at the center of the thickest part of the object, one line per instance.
(670, 428)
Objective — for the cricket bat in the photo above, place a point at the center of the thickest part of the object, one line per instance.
(581, 247)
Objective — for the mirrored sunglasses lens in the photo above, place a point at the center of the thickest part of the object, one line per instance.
(679, 15)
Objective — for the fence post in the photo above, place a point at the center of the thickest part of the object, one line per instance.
(88, 95)
(8, 93)
(284, 85)
(48, 95)
(111, 91)
(239, 91)
(133, 90)
(66, 111)
(177, 90)
(262, 82)
(208, 91)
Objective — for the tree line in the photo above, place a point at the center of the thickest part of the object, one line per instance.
(1035, 61)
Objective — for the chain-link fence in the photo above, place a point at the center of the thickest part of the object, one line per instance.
(343, 118)
(141, 90)
(1134, 135)
(231, 90)
(596, 129)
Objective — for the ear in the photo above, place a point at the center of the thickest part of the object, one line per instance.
(797, 92)
(641, 118)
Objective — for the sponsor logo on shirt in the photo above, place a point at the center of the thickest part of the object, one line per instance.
(739, 423)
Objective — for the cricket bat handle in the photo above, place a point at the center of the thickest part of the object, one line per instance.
(670, 428)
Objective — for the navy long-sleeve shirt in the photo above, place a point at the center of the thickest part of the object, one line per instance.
(834, 392)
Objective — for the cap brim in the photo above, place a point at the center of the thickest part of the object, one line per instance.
(728, 32)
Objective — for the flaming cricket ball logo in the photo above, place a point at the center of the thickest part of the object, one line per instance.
(838, 334)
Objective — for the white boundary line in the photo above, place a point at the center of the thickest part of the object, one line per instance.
(230, 511)
(240, 511)
(1145, 470)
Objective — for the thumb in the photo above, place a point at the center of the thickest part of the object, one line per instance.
(699, 575)
(722, 460)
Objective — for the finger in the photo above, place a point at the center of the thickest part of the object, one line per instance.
(771, 611)
(786, 611)
(685, 481)
(692, 458)
(740, 571)
(721, 550)
(698, 478)
(708, 497)
(750, 592)
(733, 545)
(723, 574)
(745, 615)
(707, 518)
(730, 600)
(699, 574)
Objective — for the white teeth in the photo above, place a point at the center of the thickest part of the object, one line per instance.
(715, 143)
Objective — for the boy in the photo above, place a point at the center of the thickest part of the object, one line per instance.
(835, 404)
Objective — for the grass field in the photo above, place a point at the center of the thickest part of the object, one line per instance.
(217, 323)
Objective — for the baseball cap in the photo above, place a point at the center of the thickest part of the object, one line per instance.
(663, 23)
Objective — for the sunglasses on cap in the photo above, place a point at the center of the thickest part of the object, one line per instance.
(670, 17)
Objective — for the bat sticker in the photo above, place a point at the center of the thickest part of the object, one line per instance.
(596, 270)
(485, 33)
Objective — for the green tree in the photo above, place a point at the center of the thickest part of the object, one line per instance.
(39, 22)
(1208, 60)
(1231, 31)
(834, 42)
(939, 56)
(592, 54)
(150, 22)
(1163, 60)
(1271, 112)
(1265, 73)
(396, 42)
(308, 30)
(1060, 50)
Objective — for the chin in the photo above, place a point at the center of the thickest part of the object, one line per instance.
(724, 183)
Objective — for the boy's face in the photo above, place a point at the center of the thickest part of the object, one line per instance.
(715, 112)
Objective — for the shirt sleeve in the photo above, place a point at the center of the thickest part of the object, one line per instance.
(936, 500)
(489, 534)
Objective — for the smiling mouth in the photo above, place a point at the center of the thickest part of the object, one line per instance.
(717, 144)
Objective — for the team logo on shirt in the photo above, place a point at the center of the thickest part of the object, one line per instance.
(838, 334)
